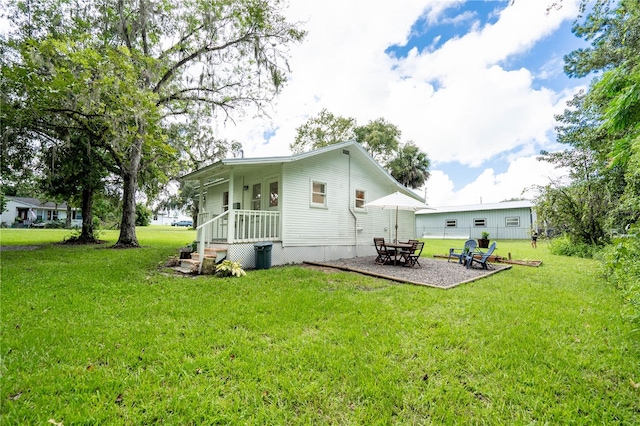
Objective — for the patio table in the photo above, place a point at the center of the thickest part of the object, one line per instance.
(398, 248)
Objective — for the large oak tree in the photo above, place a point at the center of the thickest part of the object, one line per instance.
(139, 65)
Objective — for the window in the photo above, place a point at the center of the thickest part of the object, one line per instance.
(225, 201)
(255, 200)
(319, 194)
(451, 223)
(273, 194)
(512, 221)
(479, 222)
(360, 199)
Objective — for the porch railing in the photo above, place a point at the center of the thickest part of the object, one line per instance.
(248, 226)
(256, 225)
(212, 229)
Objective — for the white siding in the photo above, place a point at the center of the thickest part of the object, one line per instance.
(339, 223)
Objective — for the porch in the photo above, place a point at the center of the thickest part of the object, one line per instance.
(239, 226)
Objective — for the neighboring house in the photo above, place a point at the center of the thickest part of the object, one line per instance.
(507, 221)
(168, 217)
(16, 213)
(310, 205)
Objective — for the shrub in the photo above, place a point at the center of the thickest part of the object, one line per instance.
(622, 268)
(143, 215)
(55, 224)
(228, 268)
(565, 246)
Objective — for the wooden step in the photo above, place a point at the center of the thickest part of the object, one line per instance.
(182, 270)
(190, 264)
(196, 256)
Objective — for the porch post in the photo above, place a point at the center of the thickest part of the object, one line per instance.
(231, 221)
(201, 197)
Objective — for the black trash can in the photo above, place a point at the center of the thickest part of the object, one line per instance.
(263, 255)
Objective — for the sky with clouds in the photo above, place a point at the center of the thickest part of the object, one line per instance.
(475, 84)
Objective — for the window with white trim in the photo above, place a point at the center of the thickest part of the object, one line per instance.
(451, 223)
(512, 221)
(479, 222)
(361, 198)
(318, 194)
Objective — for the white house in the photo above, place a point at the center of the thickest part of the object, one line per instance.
(16, 212)
(167, 217)
(507, 220)
(309, 206)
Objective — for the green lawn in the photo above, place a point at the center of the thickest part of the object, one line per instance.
(92, 335)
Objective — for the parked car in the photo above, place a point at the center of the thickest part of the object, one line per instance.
(188, 223)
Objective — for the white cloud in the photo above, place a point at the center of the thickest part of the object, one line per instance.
(458, 102)
(522, 175)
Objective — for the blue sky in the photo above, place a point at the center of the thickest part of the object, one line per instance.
(475, 84)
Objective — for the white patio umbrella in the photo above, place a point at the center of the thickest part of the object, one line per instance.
(398, 201)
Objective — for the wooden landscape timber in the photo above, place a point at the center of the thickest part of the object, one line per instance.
(500, 259)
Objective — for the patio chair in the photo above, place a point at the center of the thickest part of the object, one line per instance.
(411, 259)
(405, 252)
(483, 261)
(384, 254)
(469, 247)
(409, 242)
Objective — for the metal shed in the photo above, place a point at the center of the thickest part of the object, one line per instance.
(508, 220)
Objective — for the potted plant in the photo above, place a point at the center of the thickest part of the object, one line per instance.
(483, 241)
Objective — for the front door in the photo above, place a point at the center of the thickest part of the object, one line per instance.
(274, 194)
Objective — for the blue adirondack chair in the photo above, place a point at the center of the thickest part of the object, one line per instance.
(483, 257)
(469, 247)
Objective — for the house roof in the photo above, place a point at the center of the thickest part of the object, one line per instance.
(35, 203)
(224, 166)
(480, 207)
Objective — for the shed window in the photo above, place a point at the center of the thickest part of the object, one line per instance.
(318, 194)
(480, 222)
(360, 198)
(512, 221)
(451, 223)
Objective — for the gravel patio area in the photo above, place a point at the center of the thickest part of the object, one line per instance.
(434, 272)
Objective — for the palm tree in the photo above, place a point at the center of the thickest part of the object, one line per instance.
(411, 166)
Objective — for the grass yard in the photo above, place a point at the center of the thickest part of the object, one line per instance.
(91, 335)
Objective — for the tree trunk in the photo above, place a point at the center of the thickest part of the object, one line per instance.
(127, 238)
(87, 216)
(67, 223)
(194, 216)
